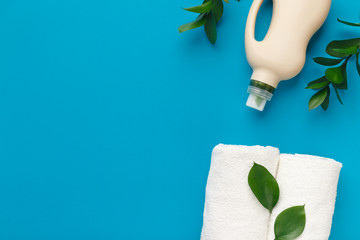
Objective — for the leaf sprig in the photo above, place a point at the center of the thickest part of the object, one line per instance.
(349, 23)
(290, 223)
(210, 13)
(335, 76)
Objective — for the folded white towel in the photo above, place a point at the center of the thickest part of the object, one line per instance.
(312, 181)
(232, 212)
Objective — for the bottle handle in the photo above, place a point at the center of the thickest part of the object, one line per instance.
(251, 22)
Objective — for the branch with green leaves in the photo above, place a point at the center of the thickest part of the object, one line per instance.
(290, 223)
(336, 74)
(210, 13)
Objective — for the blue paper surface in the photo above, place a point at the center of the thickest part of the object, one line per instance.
(108, 117)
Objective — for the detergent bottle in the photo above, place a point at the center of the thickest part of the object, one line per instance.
(281, 55)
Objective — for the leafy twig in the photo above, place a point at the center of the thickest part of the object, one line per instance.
(342, 50)
(210, 13)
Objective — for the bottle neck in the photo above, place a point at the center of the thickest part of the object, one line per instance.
(261, 89)
(266, 76)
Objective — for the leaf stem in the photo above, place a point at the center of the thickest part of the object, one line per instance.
(347, 59)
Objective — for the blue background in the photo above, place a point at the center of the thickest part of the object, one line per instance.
(108, 117)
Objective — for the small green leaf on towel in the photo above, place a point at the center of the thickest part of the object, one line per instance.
(290, 224)
(264, 186)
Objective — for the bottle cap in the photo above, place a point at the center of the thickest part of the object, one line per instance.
(260, 93)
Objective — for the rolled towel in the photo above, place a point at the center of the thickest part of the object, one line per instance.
(231, 210)
(311, 181)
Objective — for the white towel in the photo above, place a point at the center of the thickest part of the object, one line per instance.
(232, 212)
(312, 181)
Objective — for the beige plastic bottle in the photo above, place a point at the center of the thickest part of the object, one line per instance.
(281, 55)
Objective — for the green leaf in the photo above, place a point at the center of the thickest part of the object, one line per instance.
(334, 75)
(349, 23)
(343, 48)
(340, 76)
(338, 95)
(218, 9)
(326, 102)
(318, 83)
(227, 1)
(210, 27)
(357, 62)
(264, 186)
(200, 21)
(290, 224)
(317, 99)
(204, 8)
(327, 61)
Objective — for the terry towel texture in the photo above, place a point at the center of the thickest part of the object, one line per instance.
(232, 212)
(311, 181)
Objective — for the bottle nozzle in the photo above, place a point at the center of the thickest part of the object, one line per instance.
(256, 102)
(260, 93)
